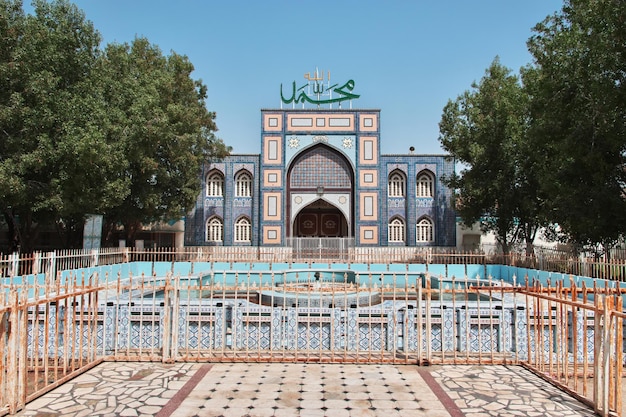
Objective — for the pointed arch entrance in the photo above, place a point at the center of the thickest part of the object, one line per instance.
(320, 194)
(320, 219)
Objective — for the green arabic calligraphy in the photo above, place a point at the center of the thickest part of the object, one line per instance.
(345, 92)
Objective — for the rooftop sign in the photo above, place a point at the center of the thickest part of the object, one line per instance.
(314, 91)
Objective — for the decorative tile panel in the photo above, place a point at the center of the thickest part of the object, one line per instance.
(291, 330)
(392, 330)
(277, 328)
(371, 337)
(391, 327)
(352, 329)
(338, 331)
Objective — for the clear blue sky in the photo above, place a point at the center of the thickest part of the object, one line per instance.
(407, 58)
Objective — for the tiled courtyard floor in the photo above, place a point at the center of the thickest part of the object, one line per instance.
(337, 390)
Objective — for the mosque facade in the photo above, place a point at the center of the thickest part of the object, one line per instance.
(321, 176)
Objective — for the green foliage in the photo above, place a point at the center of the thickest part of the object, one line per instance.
(484, 129)
(577, 85)
(551, 152)
(46, 72)
(120, 131)
(162, 123)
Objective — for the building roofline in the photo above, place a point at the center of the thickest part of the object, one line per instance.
(319, 110)
(444, 155)
(382, 155)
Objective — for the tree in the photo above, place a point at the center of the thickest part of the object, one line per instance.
(578, 87)
(485, 130)
(120, 132)
(11, 26)
(159, 117)
(45, 114)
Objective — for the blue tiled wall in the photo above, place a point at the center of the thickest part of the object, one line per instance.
(411, 209)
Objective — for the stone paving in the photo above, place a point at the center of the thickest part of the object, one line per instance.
(301, 389)
(505, 392)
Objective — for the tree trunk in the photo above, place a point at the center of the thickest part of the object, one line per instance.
(109, 228)
(29, 233)
(130, 232)
(14, 238)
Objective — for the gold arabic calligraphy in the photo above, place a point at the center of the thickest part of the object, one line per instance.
(316, 76)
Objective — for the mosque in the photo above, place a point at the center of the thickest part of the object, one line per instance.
(321, 179)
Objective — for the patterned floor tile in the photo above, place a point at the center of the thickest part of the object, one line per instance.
(274, 390)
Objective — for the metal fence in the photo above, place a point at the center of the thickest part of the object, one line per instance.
(46, 340)
(314, 250)
(577, 342)
(55, 329)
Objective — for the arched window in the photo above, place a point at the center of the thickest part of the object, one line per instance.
(243, 230)
(243, 185)
(425, 231)
(395, 186)
(425, 185)
(215, 185)
(396, 231)
(214, 230)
